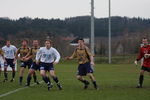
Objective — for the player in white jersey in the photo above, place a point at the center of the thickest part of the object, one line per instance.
(47, 57)
(1, 59)
(9, 55)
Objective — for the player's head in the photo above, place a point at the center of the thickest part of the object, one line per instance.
(81, 42)
(8, 43)
(24, 42)
(145, 41)
(48, 43)
(35, 43)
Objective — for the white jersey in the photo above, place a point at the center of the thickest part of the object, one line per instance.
(9, 52)
(47, 55)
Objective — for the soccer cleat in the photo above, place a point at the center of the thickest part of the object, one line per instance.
(37, 82)
(12, 80)
(96, 87)
(59, 86)
(5, 80)
(139, 86)
(27, 85)
(86, 85)
(49, 87)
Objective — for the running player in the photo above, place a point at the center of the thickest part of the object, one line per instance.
(34, 66)
(48, 57)
(9, 55)
(145, 54)
(85, 60)
(22, 52)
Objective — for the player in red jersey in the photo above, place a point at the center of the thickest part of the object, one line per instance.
(144, 53)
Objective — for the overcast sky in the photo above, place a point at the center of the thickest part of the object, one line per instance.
(69, 8)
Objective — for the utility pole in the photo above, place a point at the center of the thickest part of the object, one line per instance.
(109, 34)
(92, 27)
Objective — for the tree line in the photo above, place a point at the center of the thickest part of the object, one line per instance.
(76, 26)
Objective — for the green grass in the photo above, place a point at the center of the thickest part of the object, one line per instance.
(116, 81)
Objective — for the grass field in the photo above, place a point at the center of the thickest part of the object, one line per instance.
(116, 81)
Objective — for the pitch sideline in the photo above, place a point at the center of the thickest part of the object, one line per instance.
(16, 90)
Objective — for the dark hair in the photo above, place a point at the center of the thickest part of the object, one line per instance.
(49, 41)
(36, 40)
(25, 41)
(81, 39)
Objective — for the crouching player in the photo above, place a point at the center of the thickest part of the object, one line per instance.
(48, 57)
(34, 67)
(85, 60)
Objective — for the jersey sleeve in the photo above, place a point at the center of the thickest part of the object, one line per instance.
(140, 55)
(1, 52)
(88, 52)
(15, 49)
(74, 55)
(38, 55)
(3, 49)
(57, 55)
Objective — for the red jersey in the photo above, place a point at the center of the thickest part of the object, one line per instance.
(143, 51)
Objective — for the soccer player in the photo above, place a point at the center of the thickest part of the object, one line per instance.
(85, 60)
(9, 59)
(145, 54)
(48, 57)
(2, 58)
(22, 52)
(34, 66)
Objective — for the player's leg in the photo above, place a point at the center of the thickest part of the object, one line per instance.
(55, 78)
(89, 72)
(35, 77)
(32, 66)
(46, 78)
(141, 78)
(13, 74)
(30, 73)
(82, 72)
(5, 72)
(0, 70)
(85, 82)
(22, 69)
(12, 65)
(91, 76)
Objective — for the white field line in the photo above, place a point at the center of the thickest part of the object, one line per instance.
(16, 90)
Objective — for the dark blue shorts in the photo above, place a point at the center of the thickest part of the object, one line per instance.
(35, 66)
(46, 66)
(9, 62)
(83, 69)
(26, 63)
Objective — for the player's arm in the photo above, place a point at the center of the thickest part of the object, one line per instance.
(3, 51)
(74, 55)
(29, 55)
(91, 56)
(15, 51)
(38, 56)
(2, 54)
(57, 56)
(140, 56)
